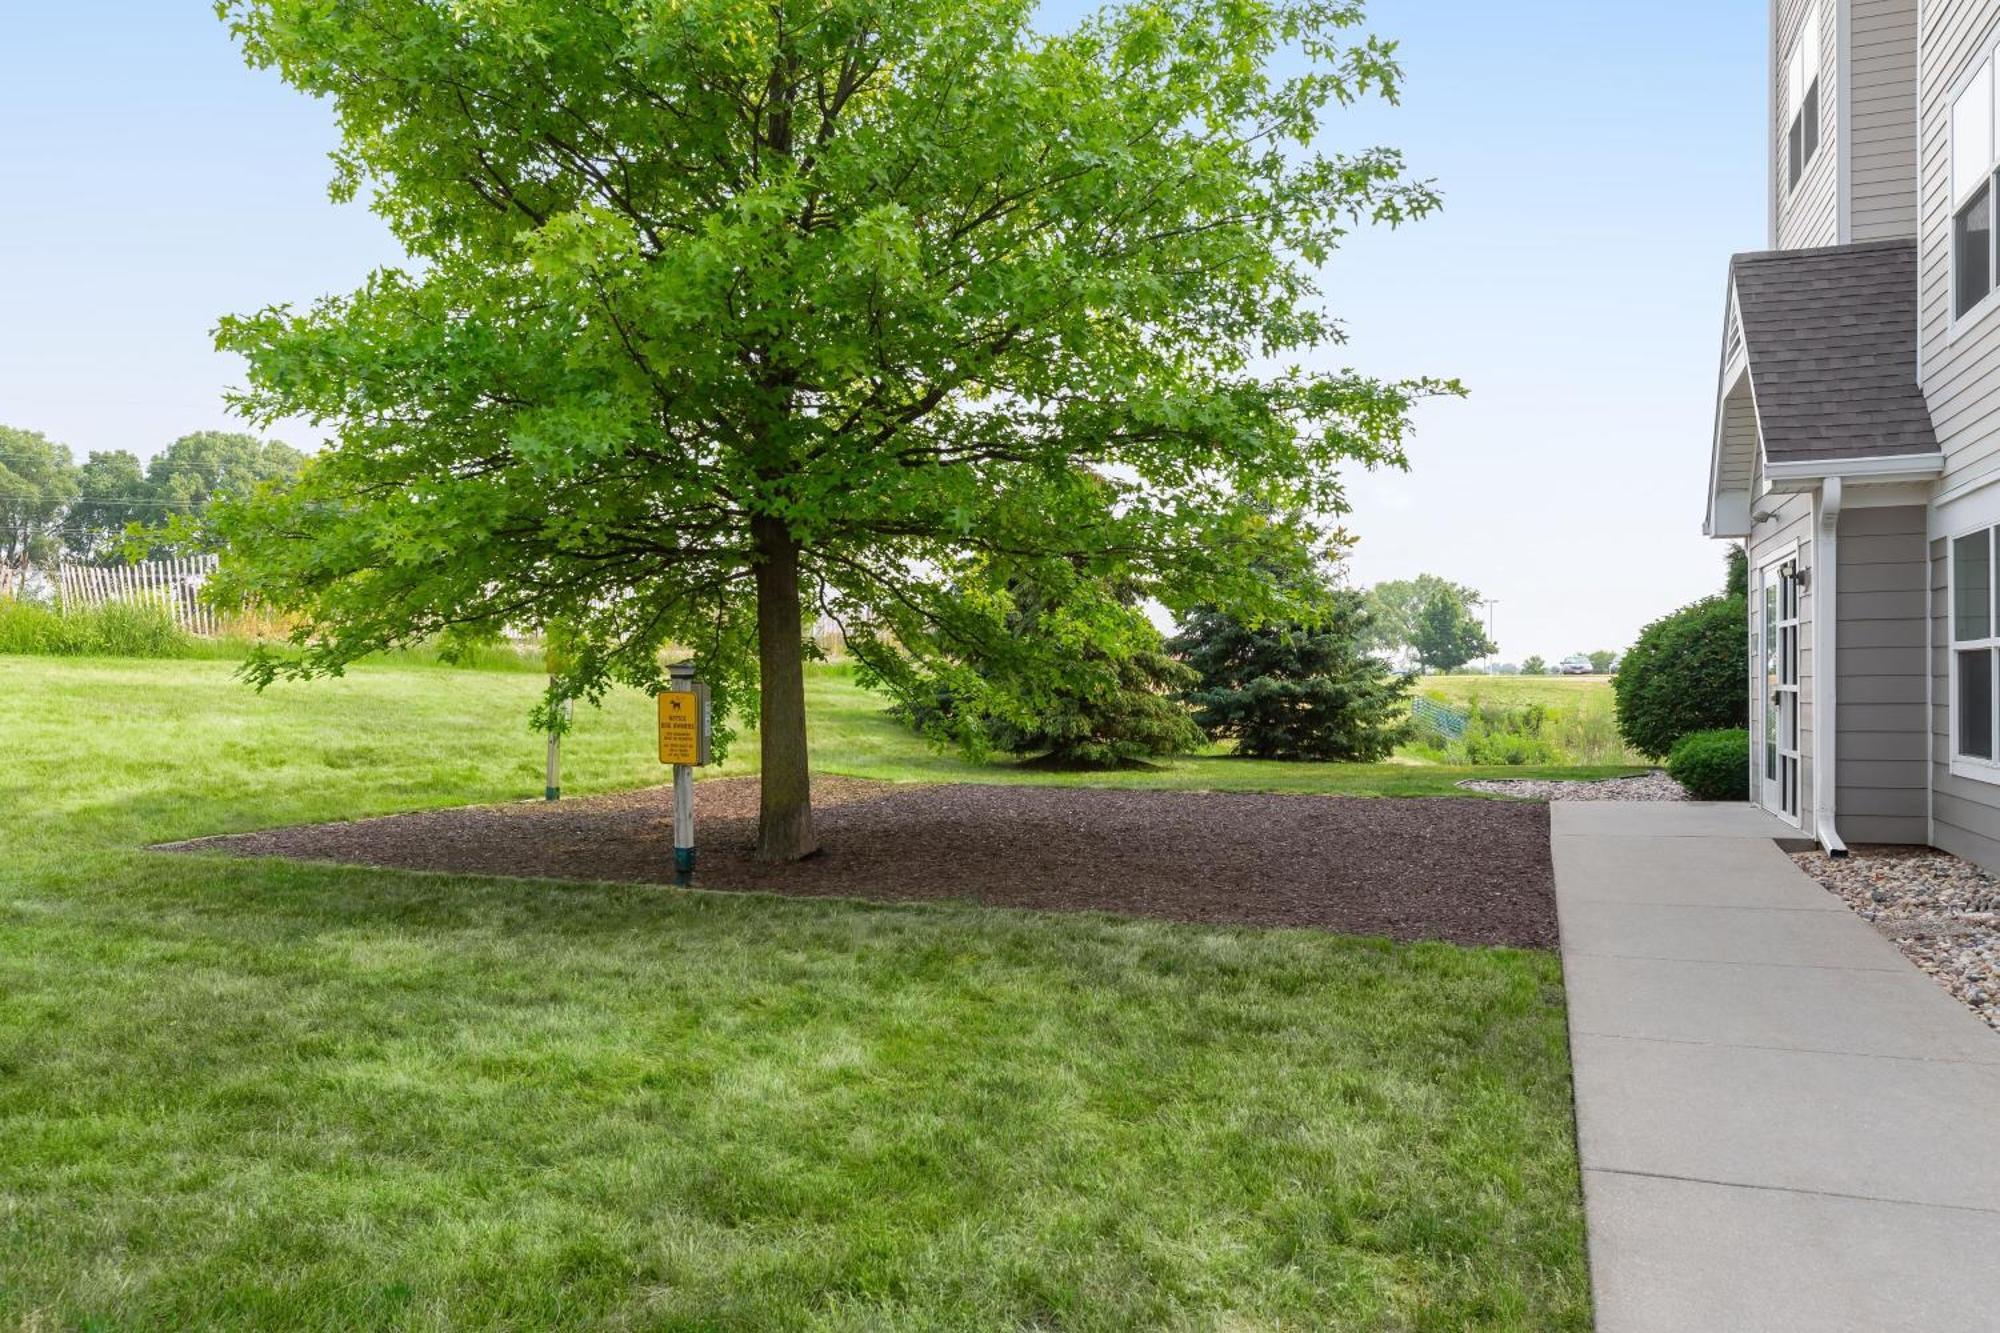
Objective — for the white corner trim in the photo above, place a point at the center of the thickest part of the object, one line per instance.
(1843, 136)
(1772, 137)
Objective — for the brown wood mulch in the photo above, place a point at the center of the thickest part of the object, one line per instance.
(1469, 871)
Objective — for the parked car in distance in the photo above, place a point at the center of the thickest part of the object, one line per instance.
(1576, 665)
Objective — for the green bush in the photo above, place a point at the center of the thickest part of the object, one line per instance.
(1713, 765)
(1689, 671)
(1499, 734)
(1076, 677)
(117, 629)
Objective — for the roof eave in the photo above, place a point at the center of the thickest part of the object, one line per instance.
(1804, 474)
(1716, 522)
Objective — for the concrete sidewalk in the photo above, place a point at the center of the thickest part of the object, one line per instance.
(1783, 1123)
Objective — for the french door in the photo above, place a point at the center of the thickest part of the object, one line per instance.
(1778, 699)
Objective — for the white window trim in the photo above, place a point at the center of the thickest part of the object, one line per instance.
(1987, 56)
(1961, 765)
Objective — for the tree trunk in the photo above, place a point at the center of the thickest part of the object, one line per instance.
(784, 820)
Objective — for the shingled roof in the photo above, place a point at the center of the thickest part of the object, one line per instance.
(1832, 340)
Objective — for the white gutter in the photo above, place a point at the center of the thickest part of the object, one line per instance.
(1883, 469)
(1826, 668)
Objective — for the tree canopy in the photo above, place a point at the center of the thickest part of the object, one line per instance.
(37, 486)
(1396, 607)
(171, 491)
(1447, 634)
(1082, 679)
(727, 312)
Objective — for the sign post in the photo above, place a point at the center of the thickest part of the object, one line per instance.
(684, 744)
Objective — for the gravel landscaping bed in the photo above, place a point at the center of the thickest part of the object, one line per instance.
(1941, 911)
(1465, 870)
(1653, 786)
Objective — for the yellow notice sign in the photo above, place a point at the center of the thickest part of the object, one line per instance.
(680, 728)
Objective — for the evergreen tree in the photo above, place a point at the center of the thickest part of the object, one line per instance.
(1294, 690)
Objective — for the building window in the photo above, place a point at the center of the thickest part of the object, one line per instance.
(1781, 632)
(1974, 645)
(1802, 100)
(1972, 249)
(1972, 190)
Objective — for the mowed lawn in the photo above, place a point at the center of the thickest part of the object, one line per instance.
(254, 1094)
(1590, 693)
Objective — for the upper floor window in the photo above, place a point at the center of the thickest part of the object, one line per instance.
(1802, 100)
(1972, 185)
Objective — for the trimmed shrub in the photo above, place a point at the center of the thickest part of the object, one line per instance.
(1689, 671)
(1713, 765)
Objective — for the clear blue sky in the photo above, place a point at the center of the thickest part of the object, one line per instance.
(1600, 162)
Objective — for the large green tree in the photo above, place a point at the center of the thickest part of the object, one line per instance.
(725, 311)
(213, 464)
(1447, 634)
(37, 486)
(167, 494)
(111, 494)
(1396, 607)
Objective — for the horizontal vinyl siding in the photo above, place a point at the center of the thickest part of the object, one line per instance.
(1808, 214)
(1880, 701)
(1965, 813)
(1881, 119)
(1961, 372)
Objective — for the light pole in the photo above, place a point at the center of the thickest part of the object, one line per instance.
(1495, 643)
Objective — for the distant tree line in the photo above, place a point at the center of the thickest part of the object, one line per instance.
(52, 507)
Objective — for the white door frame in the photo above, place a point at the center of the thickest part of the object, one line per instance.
(1775, 656)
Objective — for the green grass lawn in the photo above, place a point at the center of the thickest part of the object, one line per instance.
(255, 1094)
(1592, 692)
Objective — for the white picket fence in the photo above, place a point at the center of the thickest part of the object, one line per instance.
(175, 584)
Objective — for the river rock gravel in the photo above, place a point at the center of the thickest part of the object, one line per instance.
(1941, 911)
(1653, 786)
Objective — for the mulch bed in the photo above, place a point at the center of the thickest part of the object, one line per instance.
(1469, 871)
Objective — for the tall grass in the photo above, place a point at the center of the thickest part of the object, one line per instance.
(117, 629)
(145, 629)
(1570, 726)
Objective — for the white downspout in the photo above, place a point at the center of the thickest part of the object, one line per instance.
(1826, 669)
